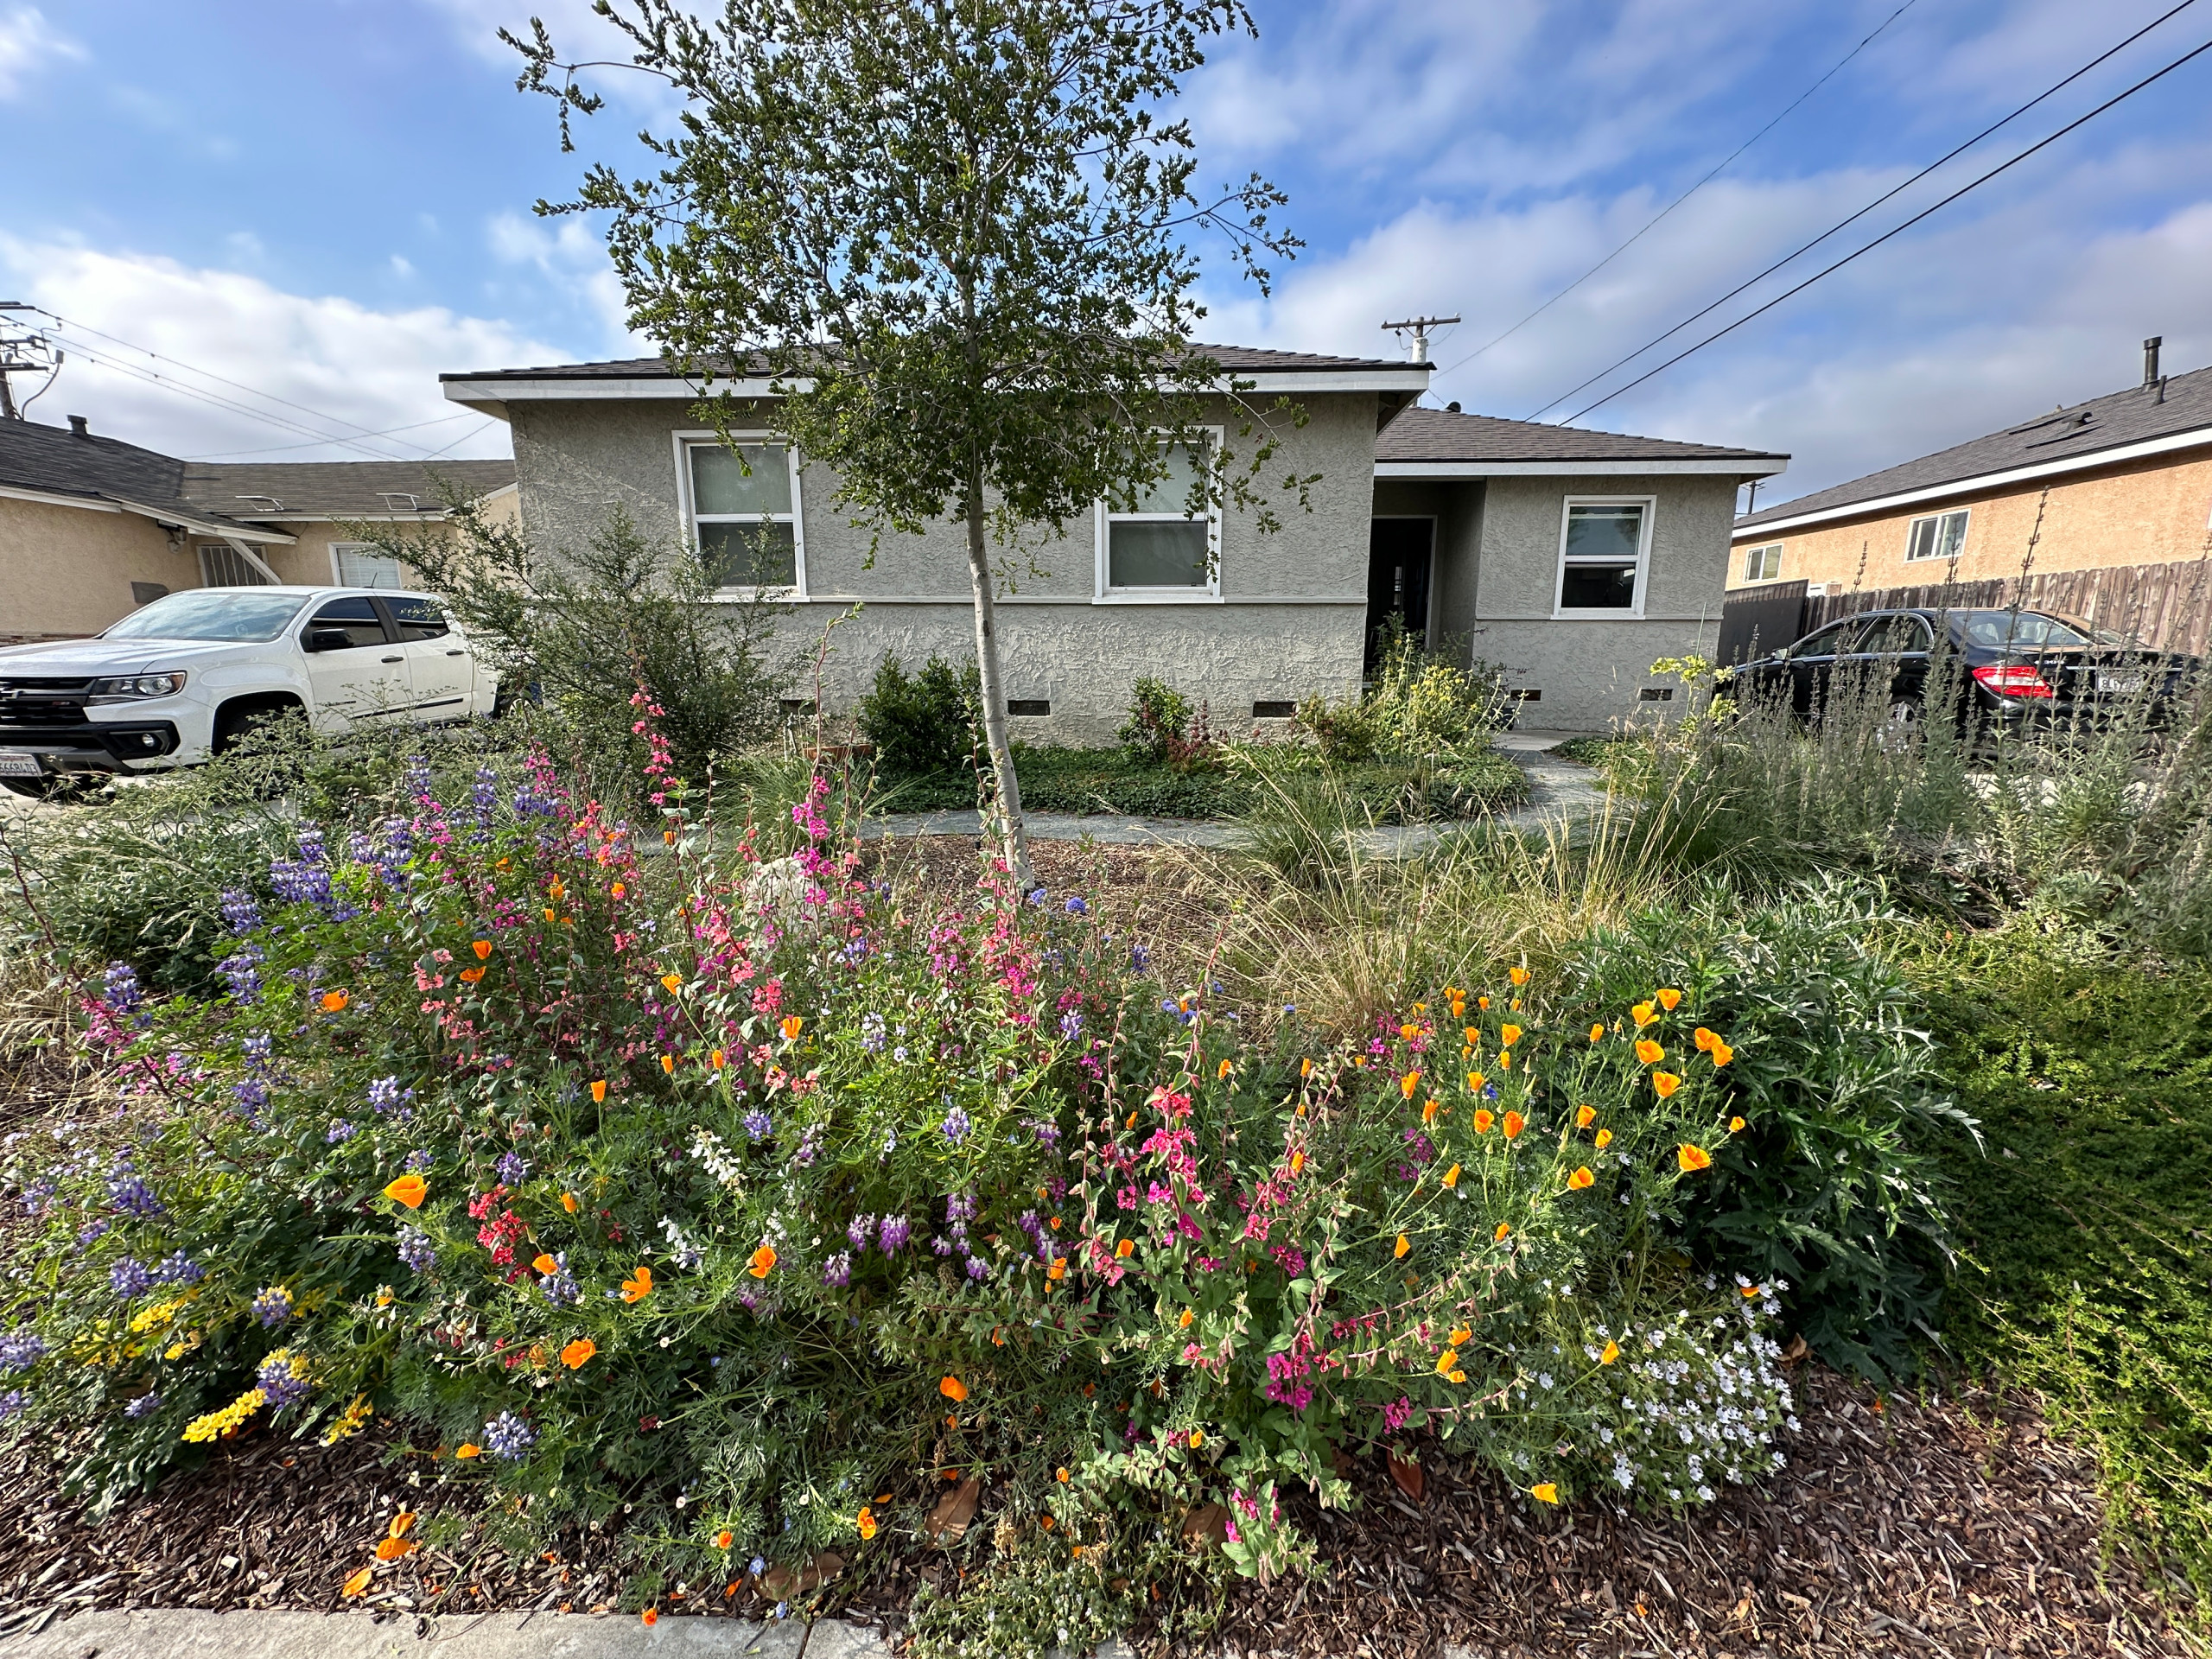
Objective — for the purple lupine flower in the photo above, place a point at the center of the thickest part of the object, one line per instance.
(809, 1148)
(893, 1233)
(559, 1286)
(257, 1050)
(1077, 907)
(418, 777)
(20, 1350)
(276, 1380)
(484, 794)
(1139, 958)
(417, 1251)
(941, 1246)
(128, 1192)
(420, 1161)
(955, 1126)
(507, 1436)
(91, 1230)
(837, 1271)
(758, 1125)
(874, 1033)
(1071, 1025)
(11, 1402)
(120, 988)
(129, 1278)
(978, 1269)
(241, 971)
(1048, 1132)
(241, 914)
(273, 1307)
(512, 1167)
(960, 1206)
(145, 1406)
(859, 1228)
(252, 1096)
(178, 1269)
(384, 1096)
(339, 1132)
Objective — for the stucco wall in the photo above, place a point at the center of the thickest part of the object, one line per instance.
(68, 571)
(2152, 513)
(1288, 623)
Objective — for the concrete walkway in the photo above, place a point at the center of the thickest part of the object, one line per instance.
(1558, 791)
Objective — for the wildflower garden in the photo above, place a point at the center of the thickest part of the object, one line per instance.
(633, 1160)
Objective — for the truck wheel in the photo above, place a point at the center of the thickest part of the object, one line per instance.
(234, 719)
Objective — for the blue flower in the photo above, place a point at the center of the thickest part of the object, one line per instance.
(178, 1269)
(240, 913)
(1077, 907)
(757, 1567)
(1036, 895)
(144, 1405)
(120, 984)
(20, 1350)
(1139, 958)
(837, 1271)
(507, 1436)
(384, 1096)
(275, 1380)
(512, 1167)
(11, 1402)
(241, 970)
(955, 1126)
(758, 1125)
(420, 1161)
(129, 1278)
(417, 1251)
(1071, 1025)
(273, 1307)
(339, 1132)
(129, 1191)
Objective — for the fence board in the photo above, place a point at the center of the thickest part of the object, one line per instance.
(2168, 605)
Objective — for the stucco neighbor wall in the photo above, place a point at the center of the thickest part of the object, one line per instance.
(1289, 623)
(66, 572)
(2155, 512)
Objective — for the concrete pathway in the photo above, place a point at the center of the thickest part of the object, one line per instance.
(1559, 790)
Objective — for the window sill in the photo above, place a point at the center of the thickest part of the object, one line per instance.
(1562, 614)
(1156, 596)
(782, 595)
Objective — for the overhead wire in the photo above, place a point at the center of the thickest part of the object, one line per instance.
(280, 448)
(1973, 184)
(1721, 166)
(1845, 223)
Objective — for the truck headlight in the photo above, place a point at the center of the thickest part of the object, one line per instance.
(139, 685)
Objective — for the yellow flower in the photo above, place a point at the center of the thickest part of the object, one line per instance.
(1581, 1179)
(1649, 1052)
(1183, 1323)
(1544, 1492)
(221, 1422)
(1428, 1112)
(1692, 1158)
(1197, 1438)
(1445, 1361)
(1584, 1116)
(865, 1522)
(1509, 1036)
(1306, 1068)
(349, 1422)
(1403, 1246)
(1518, 975)
(1482, 1120)
(1452, 1176)
(1722, 1053)
(568, 1202)
(1735, 1124)
(1643, 1014)
(1602, 1139)
(1499, 1235)
(1669, 998)
(1475, 1082)
(1612, 1353)
(1297, 1162)
(1666, 1083)
(1596, 1031)
(1505, 1059)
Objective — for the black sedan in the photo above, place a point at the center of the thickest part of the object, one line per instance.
(2014, 668)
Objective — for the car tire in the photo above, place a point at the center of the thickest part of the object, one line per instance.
(234, 719)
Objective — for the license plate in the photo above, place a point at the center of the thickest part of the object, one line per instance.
(2122, 684)
(19, 766)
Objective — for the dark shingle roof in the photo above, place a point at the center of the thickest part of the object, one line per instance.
(56, 460)
(2124, 417)
(1241, 360)
(340, 489)
(1445, 434)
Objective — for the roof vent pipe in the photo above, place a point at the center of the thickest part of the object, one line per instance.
(79, 427)
(2150, 358)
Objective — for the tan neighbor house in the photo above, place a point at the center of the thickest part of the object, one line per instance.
(92, 527)
(2122, 485)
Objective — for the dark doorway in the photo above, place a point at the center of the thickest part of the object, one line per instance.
(1398, 557)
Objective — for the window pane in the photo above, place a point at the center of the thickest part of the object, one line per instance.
(356, 619)
(1951, 535)
(1172, 492)
(1602, 532)
(719, 483)
(1598, 588)
(1156, 555)
(749, 556)
(418, 619)
(362, 566)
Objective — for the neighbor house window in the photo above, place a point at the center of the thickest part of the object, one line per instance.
(360, 565)
(222, 565)
(1938, 536)
(1157, 549)
(1605, 543)
(744, 506)
(1762, 563)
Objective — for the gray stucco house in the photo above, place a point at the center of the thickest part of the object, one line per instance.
(1571, 558)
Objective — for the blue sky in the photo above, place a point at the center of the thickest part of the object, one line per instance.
(330, 202)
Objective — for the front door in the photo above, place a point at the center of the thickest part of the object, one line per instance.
(1399, 553)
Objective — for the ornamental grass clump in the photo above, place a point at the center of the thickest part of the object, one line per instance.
(759, 1203)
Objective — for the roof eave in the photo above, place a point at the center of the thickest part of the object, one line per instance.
(1737, 467)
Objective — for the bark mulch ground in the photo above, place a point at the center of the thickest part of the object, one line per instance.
(1954, 1529)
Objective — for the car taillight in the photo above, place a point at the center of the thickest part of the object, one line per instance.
(2012, 680)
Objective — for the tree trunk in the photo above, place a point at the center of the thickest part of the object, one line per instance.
(1013, 838)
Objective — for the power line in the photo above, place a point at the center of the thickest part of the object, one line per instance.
(279, 449)
(1843, 224)
(2000, 167)
(1833, 70)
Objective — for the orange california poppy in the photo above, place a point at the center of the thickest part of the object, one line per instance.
(1452, 1176)
(464, 1450)
(792, 1026)
(568, 1202)
(543, 1264)
(334, 1000)
(483, 950)
(577, 1352)
(1585, 1116)
(1505, 1059)
(1407, 1084)
(558, 890)
(866, 1522)
(548, 913)
(1692, 1158)
(1544, 1492)
(1752, 1293)
(1059, 1270)
(599, 1091)
(1722, 1053)
(1509, 1036)
(1669, 997)
(1703, 1038)
(400, 1522)
(1518, 975)
(1513, 1124)
(1596, 1032)
(724, 1539)
(1126, 1248)
(1602, 1139)
(359, 1582)
(1475, 1082)
(1643, 1014)
(1735, 1124)
(1306, 1068)
(1649, 1052)
(1482, 1120)
(651, 1615)
(470, 975)
(716, 1059)
(1499, 1235)
(672, 983)
(393, 1549)
(638, 1286)
(617, 889)
(1666, 1083)
(953, 1389)
(1581, 1179)
(1223, 1071)
(1429, 1110)
(410, 1189)
(1183, 1323)
(668, 1064)
(1403, 1245)
(761, 1262)
(1612, 1352)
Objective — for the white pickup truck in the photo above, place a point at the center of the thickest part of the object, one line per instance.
(184, 678)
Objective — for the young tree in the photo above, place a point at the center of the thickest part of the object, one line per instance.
(955, 236)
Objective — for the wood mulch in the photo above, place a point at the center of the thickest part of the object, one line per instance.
(1951, 1528)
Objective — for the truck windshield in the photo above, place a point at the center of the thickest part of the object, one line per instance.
(224, 615)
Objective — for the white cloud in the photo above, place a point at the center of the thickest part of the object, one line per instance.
(30, 46)
(568, 252)
(358, 369)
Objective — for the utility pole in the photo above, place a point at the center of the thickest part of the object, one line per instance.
(1420, 327)
(23, 352)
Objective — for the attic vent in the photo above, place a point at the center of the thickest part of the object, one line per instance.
(400, 501)
(262, 503)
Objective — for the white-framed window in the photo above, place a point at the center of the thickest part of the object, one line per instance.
(222, 565)
(1604, 549)
(1940, 535)
(1158, 553)
(357, 565)
(742, 507)
(1762, 563)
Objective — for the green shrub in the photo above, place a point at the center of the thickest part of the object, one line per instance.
(1418, 702)
(925, 726)
(1158, 729)
(730, 1196)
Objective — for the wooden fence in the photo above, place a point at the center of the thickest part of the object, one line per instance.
(2166, 605)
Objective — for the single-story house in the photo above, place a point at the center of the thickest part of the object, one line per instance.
(91, 526)
(1571, 559)
(2115, 492)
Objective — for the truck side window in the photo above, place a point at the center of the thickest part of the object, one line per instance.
(418, 619)
(355, 617)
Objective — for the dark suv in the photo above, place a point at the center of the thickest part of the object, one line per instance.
(2013, 668)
